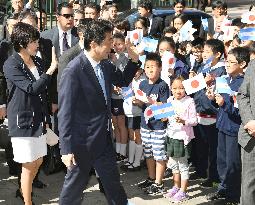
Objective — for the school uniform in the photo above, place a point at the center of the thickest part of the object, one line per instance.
(206, 141)
(228, 151)
(153, 133)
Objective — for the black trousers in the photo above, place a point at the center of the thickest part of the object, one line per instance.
(76, 180)
(206, 142)
(229, 166)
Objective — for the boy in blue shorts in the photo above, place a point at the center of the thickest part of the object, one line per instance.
(153, 132)
(228, 123)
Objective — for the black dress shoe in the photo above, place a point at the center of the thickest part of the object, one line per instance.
(38, 184)
(101, 188)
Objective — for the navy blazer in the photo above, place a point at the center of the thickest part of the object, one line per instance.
(83, 112)
(27, 103)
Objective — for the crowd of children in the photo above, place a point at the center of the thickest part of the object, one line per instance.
(203, 131)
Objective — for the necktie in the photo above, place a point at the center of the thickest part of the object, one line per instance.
(65, 43)
(100, 77)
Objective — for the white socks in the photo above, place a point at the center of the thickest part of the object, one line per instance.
(138, 155)
(123, 149)
(118, 147)
(131, 151)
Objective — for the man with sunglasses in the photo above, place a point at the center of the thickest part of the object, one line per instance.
(63, 36)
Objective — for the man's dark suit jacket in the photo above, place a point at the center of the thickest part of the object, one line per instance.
(83, 112)
(53, 36)
(169, 20)
(27, 104)
(67, 56)
(211, 31)
(156, 27)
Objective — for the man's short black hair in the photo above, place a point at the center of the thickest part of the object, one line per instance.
(96, 32)
(147, 4)
(63, 5)
(241, 54)
(154, 57)
(216, 45)
(93, 6)
(182, 2)
(219, 4)
(22, 35)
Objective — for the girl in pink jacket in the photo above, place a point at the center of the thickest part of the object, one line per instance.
(179, 134)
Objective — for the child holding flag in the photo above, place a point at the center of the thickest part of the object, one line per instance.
(153, 132)
(228, 123)
(180, 132)
(133, 113)
(206, 132)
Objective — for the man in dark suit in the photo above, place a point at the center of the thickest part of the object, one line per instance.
(84, 119)
(156, 23)
(179, 6)
(246, 137)
(62, 37)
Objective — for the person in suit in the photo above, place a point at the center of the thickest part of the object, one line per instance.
(62, 37)
(156, 23)
(84, 119)
(246, 105)
(179, 6)
(6, 50)
(27, 104)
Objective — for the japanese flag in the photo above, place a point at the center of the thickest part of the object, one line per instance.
(140, 95)
(168, 61)
(135, 36)
(148, 113)
(248, 17)
(194, 84)
(235, 101)
(228, 33)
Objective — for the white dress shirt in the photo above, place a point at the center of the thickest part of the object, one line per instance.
(61, 37)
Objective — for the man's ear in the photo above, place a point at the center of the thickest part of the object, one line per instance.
(218, 55)
(93, 45)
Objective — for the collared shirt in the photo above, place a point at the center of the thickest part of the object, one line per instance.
(61, 37)
(95, 65)
(150, 19)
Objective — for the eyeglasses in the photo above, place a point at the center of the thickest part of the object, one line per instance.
(67, 16)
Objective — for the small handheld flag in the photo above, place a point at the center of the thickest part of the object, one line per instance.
(207, 65)
(142, 59)
(235, 101)
(228, 33)
(135, 36)
(159, 111)
(149, 44)
(127, 93)
(194, 84)
(186, 32)
(204, 23)
(246, 34)
(222, 86)
(248, 18)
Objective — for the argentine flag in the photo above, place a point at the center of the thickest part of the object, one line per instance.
(159, 111)
(204, 23)
(246, 34)
(222, 86)
(127, 93)
(207, 65)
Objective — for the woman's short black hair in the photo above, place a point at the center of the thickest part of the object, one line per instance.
(22, 35)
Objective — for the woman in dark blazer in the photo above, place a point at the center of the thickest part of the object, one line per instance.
(27, 105)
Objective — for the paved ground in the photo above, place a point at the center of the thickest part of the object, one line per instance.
(49, 195)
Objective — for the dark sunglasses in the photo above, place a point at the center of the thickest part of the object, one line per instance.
(67, 16)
